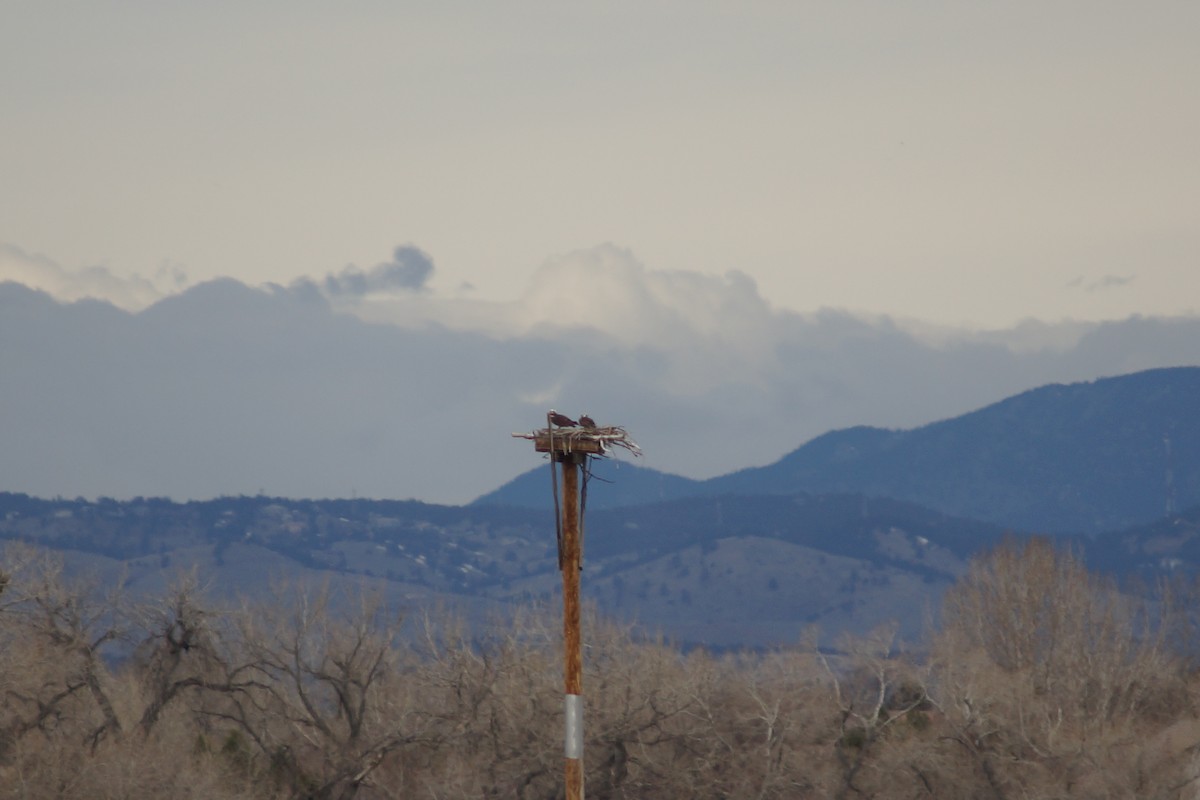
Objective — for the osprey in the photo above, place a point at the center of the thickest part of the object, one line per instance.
(562, 420)
(586, 421)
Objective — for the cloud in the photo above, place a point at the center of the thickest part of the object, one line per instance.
(1101, 283)
(608, 289)
(227, 389)
(408, 271)
(96, 282)
(715, 326)
(1110, 282)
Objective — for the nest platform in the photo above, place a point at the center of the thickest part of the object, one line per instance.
(598, 441)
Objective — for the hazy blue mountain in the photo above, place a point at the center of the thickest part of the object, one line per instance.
(1167, 546)
(614, 484)
(856, 528)
(1082, 457)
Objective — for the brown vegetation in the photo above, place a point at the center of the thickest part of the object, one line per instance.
(1042, 681)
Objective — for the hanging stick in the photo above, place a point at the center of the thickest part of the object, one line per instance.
(554, 490)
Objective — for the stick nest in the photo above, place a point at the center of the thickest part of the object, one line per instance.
(585, 439)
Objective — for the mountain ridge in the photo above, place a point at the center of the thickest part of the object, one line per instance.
(1079, 457)
(749, 559)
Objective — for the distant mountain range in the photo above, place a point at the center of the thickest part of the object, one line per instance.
(619, 483)
(731, 571)
(1083, 457)
(856, 528)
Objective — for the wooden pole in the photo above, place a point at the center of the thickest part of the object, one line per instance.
(572, 639)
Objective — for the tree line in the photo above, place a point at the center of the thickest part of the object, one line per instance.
(1039, 680)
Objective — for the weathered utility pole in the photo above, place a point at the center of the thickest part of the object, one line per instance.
(571, 562)
(570, 446)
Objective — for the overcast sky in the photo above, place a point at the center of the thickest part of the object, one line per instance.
(964, 163)
(441, 218)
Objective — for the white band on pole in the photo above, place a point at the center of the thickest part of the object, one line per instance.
(574, 717)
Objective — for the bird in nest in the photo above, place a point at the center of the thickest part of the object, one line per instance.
(561, 420)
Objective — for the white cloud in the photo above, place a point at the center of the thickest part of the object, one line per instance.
(608, 289)
(605, 288)
(97, 282)
(716, 328)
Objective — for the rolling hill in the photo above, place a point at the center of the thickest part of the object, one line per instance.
(1083, 457)
(730, 571)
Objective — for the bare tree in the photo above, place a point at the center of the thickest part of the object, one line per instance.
(182, 650)
(67, 629)
(313, 685)
(1043, 681)
(874, 691)
(496, 697)
(1048, 674)
(637, 695)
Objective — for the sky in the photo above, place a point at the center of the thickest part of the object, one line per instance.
(961, 163)
(693, 212)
